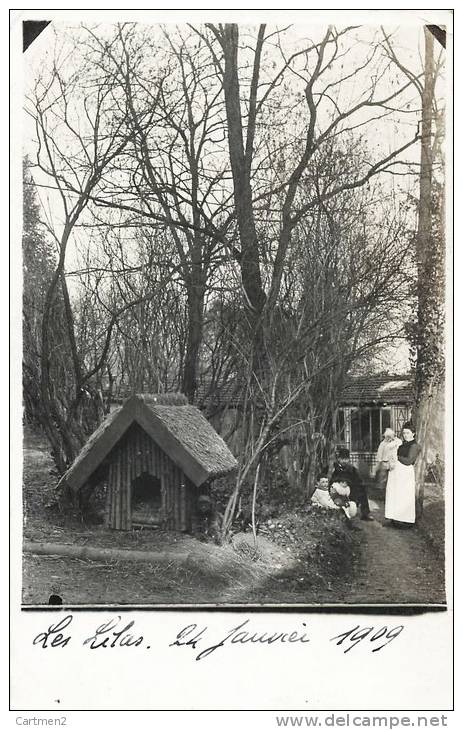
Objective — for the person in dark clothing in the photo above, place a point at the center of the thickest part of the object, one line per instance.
(345, 472)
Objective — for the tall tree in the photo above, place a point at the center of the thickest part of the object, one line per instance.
(174, 162)
(311, 64)
(38, 266)
(430, 256)
(427, 330)
(72, 158)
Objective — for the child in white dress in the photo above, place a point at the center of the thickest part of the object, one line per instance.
(386, 456)
(335, 496)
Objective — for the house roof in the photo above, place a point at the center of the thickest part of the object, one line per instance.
(228, 393)
(181, 431)
(378, 388)
(366, 389)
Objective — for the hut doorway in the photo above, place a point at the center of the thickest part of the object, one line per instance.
(146, 500)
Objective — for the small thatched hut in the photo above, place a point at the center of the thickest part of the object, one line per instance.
(153, 453)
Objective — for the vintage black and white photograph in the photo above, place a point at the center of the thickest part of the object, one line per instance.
(234, 313)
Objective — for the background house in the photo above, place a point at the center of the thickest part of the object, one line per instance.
(368, 406)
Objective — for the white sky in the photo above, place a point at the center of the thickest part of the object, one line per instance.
(385, 135)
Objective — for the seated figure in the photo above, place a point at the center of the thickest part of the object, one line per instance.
(335, 496)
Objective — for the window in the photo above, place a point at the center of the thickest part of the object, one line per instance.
(385, 420)
(367, 427)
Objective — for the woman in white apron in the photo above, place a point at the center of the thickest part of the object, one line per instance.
(400, 490)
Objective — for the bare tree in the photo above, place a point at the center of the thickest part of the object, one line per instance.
(224, 180)
(175, 162)
(427, 331)
(72, 155)
(311, 64)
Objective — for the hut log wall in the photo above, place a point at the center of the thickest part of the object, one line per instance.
(135, 454)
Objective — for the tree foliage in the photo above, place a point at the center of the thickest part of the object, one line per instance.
(39, 261)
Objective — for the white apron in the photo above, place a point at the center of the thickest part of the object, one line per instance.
(400, 494)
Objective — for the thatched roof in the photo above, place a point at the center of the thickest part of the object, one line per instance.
(181, 431)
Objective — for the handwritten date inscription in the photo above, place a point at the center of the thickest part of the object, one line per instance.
(120, 633)
(378, 637)
(194, 637)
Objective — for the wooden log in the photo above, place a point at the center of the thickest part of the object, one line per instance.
(134, 473)
(191, 504)
(151, 459)
(89, 553)
(170, 501)
(115, 478)
(159, 461)
(145, 453)
(127, 482)
(173, 492)
(117, 520)
(178, 504)
(181, 494)
(167, 488)
(115, 491)
(183, 498)
(107, 509)
(140, 446)
(125, 485)
(165, 483)
(112, 489)
(137, 453)
(153, 468)
(169, 498)
(161, 470)
(123, 461)
(163, 500)
(141, 436)
(174, 499)
(124, 458)
(155, 460)
(131, 475)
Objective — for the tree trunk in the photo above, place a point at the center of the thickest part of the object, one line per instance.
(424, 255)
(196, 291)
(424, 240)
(423, 417)
(249, 261)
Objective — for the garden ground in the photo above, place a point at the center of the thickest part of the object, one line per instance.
(305, 557)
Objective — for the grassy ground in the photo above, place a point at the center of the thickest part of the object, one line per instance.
(308, 558)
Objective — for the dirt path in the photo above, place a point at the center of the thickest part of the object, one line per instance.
(395, 565)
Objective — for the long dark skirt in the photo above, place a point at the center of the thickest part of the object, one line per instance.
(381, 476)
